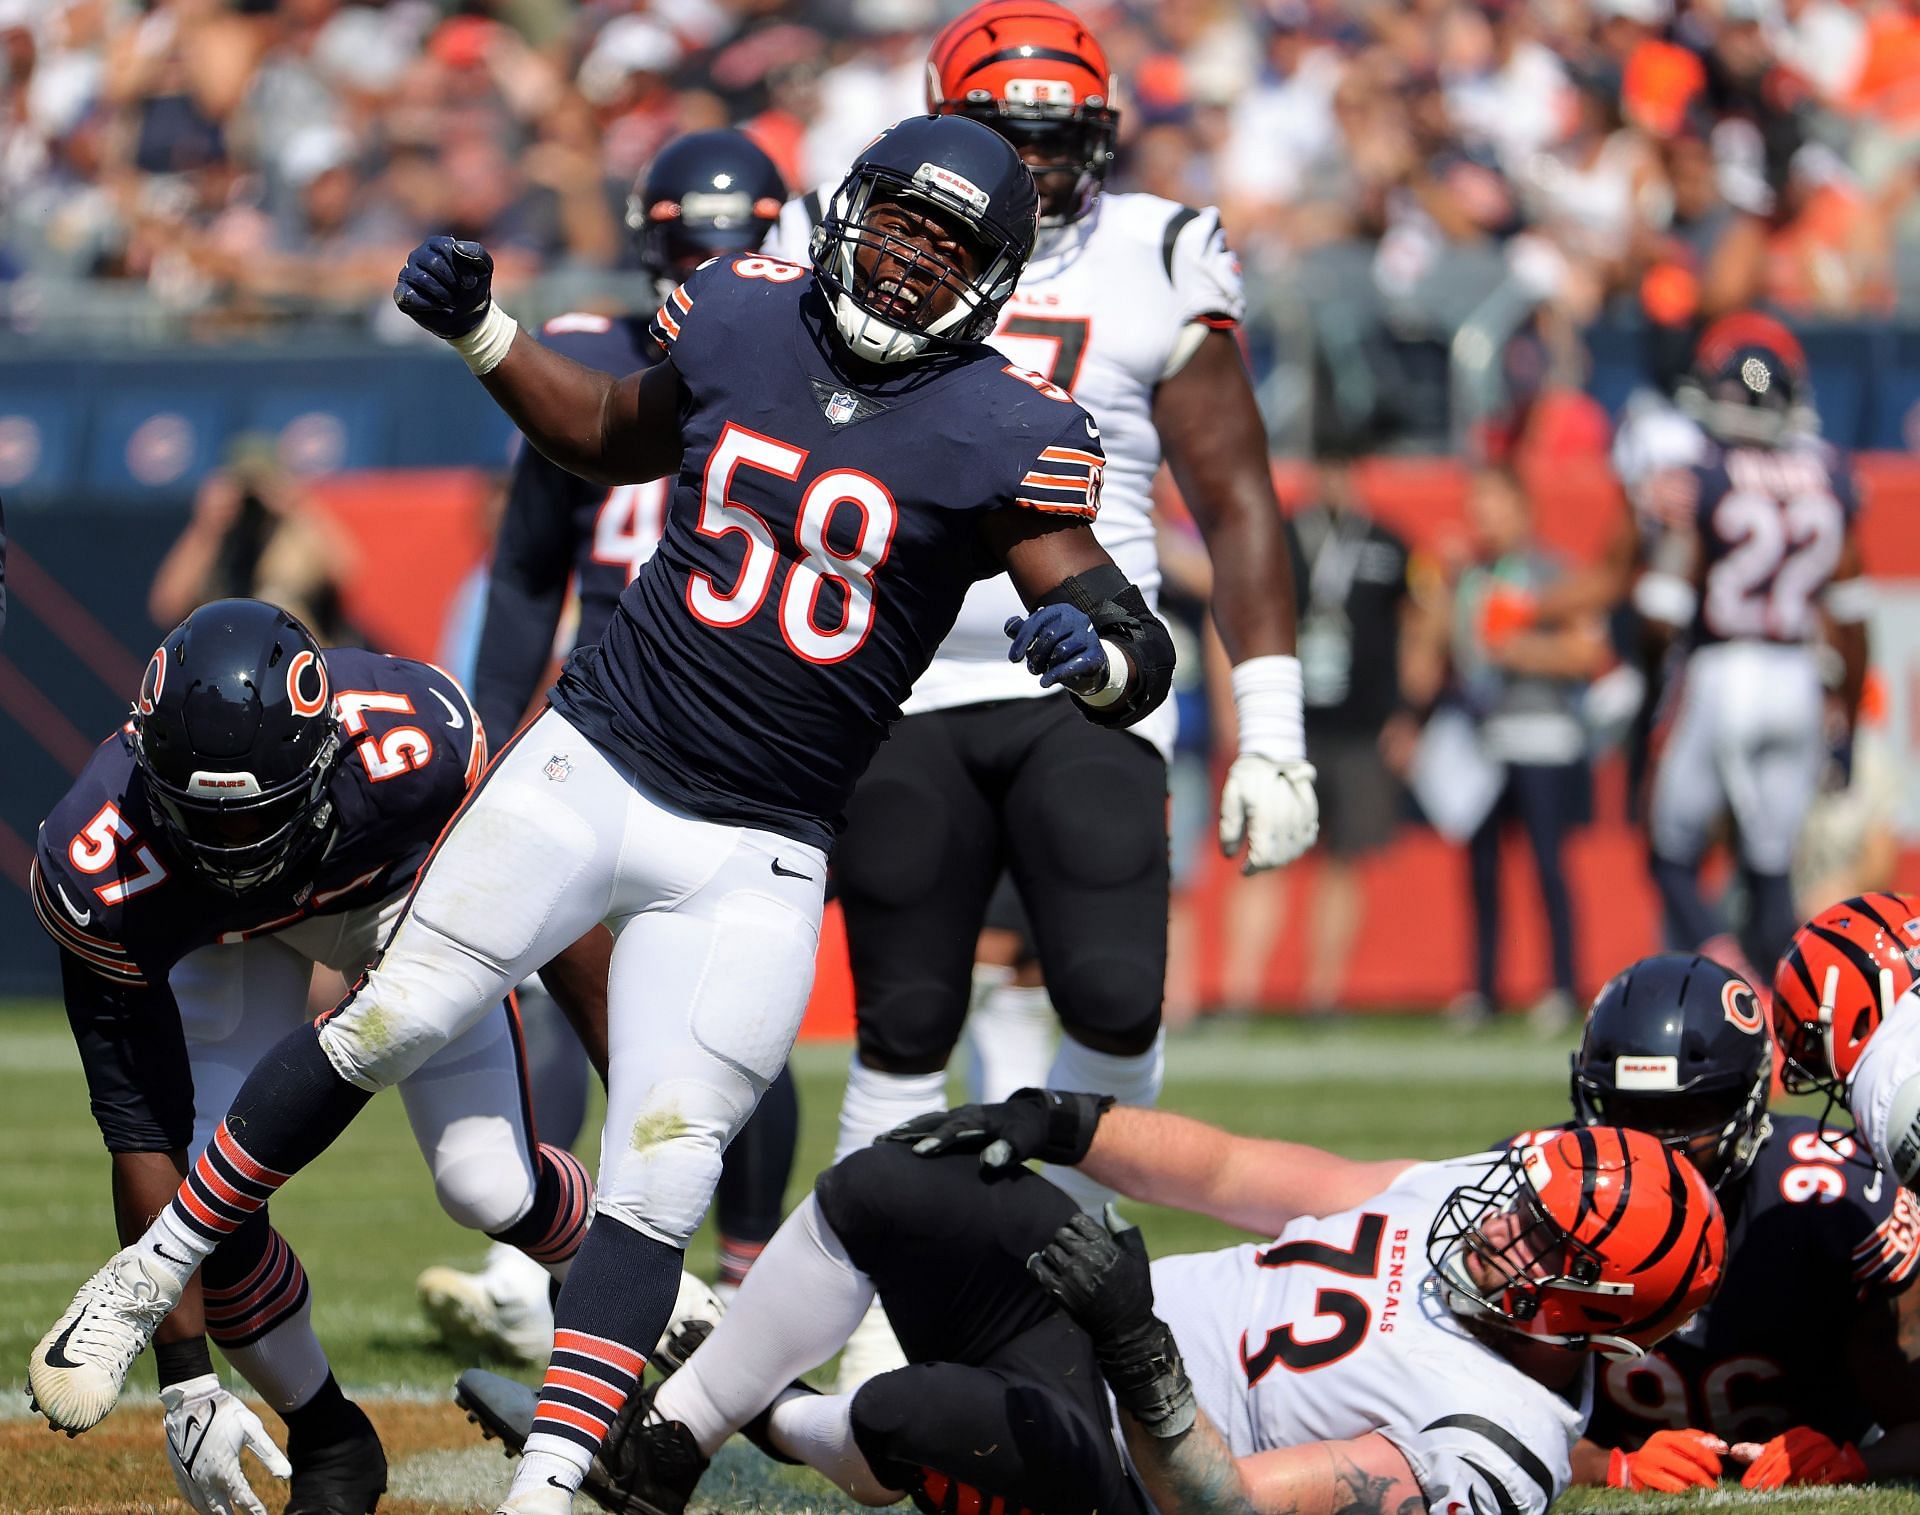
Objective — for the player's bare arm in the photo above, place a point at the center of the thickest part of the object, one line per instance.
(1251, 1182)
(1845, 604)
(1216, 447)
(1157, 1156)
(614, 431)
(144, 1184)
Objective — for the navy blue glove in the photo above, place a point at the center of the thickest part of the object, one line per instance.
(1059, 643)
(446, 286)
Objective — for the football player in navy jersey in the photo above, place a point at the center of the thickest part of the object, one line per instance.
(264, 809)
(850, 459)
(706, 195)
(1803, 1349)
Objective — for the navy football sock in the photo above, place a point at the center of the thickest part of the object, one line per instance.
(556, 1222)
(613, 1308)
(287, 1113)
(751, 1198)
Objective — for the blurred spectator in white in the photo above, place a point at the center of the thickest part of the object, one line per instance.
(1848, 844)
(1282, 134)
(882, 80)
(1508, 91)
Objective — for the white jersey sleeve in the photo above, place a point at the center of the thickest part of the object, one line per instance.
(1205, 272)
(1469, 1462)
(1884, 1091)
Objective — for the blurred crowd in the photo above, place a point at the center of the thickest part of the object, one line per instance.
(246, 158)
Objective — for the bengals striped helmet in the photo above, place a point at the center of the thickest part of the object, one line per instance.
(1601, 1239)
(1032, 71)
(1837, 980)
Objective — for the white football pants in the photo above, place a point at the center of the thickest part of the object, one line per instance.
(712, 963)
(1745, 736)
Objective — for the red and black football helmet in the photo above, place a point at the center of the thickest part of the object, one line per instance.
(1749, 386)
(1032, 71)
(1676, 1045)
(1600, 1239)
(1837, 981)
(235, 738)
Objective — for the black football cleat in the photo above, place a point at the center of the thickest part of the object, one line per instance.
(649, 1471)
(344, 1477)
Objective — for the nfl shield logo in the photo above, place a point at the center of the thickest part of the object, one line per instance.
(558, 767)
(840, 407)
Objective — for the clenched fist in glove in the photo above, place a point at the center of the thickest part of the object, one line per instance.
(1268, 802)
(1054, 1125)
(207, 1430)
(1799, 1456)
(1058, 642)
(1669, 1461)
(1099, 1275)
(447, 288)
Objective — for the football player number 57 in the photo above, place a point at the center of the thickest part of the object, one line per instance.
(818, 561)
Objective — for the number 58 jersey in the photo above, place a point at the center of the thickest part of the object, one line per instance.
(1335, 1330)
(825, 526)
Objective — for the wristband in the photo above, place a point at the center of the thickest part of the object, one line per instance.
(181, 1360)
(484, 346)
(1119, 673)
(1848, 601)
(1266, 697)
(1665, 597)
(1149, 1380)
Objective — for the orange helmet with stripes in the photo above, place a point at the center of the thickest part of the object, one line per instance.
(1837, 981)
(1032, 71)
(1600, 1239)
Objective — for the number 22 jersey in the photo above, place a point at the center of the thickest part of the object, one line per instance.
(825, 527)
(1335, 1330)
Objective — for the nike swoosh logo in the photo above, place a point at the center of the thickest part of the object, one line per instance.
(179, 1262)
(80, 917)
(187, 1449)
(1092, 430)
(454, 719)
(788, 872)
(554, 1483)
(56, 1354)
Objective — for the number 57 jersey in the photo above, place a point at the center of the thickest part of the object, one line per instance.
(825, 526)
(1335, 1330)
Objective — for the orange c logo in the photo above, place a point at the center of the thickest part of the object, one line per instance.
(151, 681)
(307, 703)
(1744, 1015)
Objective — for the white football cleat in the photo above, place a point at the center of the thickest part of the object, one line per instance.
(543, 1499)
(694, 1302)
(75, 1374)
(502, 1310)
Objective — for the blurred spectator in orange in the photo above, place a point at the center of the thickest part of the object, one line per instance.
(1830, 254)
(254, 534)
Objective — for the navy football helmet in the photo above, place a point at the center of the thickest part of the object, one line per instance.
(892, 298)
(234, 734)
(706, 195)
(1749, 385)
(1677, 1046)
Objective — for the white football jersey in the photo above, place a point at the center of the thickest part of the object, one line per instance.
(1881, 1092)
(1335, 1329)
(1099, 311)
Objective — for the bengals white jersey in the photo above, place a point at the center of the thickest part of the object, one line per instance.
(1335, 1329)
(1099, 311)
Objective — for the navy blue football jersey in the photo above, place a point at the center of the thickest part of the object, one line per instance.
(1771, 524)
(826, 524)
(109, 890)
(1813, 1228)
(559, 527)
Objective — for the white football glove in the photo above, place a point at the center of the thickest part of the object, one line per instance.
(207, 1430)
(1272, 806)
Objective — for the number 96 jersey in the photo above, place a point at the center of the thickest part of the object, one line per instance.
(1814, 1233)
(1335, 1330)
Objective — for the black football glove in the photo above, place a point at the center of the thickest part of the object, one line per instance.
(1053, 1125)
(1100, 1276)
(446, 286)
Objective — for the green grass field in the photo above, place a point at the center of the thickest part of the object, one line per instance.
(365, 1222)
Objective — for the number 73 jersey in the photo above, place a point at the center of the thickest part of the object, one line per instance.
(1335, 1330)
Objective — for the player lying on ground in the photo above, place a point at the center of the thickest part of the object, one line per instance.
(1424, 1344)
(706, 195)
(1811, 1339)
(1843, 1013)
(850, 460)
(265, 808)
